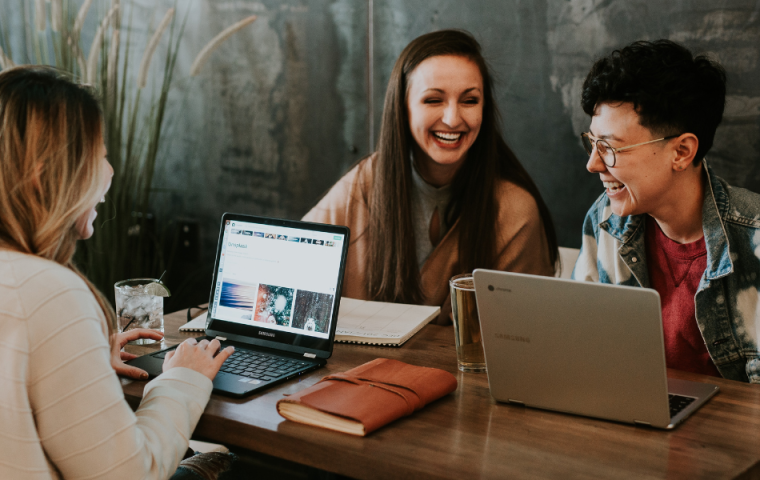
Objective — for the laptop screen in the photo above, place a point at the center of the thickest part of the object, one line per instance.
(276, 281)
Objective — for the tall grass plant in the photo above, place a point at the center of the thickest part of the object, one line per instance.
(127, 242)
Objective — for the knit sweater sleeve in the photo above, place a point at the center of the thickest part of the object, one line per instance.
(84, 424)
(522, 245)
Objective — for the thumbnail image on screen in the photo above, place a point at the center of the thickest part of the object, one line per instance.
(238, 297)
(274, 305)
(313, 310)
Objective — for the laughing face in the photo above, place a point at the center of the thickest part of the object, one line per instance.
(641, 180)
(445, 110)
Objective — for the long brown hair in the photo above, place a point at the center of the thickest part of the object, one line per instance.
(50, 174)
(393, 273)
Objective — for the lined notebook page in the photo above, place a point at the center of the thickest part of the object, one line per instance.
(380, 323)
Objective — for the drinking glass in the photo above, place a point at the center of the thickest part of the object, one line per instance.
(136, 308)
(464, 308)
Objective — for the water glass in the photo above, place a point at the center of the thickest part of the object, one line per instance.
(135, 308)
(467, 336)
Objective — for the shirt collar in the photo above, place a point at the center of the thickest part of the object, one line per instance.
(714, 207)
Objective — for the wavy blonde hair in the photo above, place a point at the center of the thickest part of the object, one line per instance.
(50, 135)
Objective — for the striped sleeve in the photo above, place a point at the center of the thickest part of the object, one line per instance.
(85, 426)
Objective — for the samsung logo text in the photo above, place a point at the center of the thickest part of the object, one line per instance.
(266, 334)
(513, 338)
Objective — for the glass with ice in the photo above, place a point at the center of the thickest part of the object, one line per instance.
(140, 304)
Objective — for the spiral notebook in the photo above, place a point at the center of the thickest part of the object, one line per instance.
(198, 324)
(380, 323)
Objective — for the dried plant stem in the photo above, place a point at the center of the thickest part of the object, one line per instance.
(56, 15)
(5, 62)
(113, 61)
(206, 52)
(77, 52)
(40, 15)
(97, 42)
(142, 76)
(81, 15)
(74, 38)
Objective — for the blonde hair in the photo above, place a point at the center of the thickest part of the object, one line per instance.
(50, 135)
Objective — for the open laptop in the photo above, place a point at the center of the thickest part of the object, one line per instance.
(275, 295)
(583, 348)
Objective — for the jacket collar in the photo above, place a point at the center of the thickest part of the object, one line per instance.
(714, 207)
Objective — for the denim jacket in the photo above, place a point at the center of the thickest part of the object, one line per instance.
(727, 301)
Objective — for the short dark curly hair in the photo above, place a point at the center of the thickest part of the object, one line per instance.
(672, 91)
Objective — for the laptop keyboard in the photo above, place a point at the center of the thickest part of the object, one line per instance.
(257, 365)
(261, 366)
(678, 403)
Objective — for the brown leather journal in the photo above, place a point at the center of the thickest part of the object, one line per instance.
(367, 397)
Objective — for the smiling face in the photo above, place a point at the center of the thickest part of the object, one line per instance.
(445, 111)
(84, 224)
(641, 180)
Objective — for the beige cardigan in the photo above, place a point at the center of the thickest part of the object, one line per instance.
(62, 409)
(521, 243)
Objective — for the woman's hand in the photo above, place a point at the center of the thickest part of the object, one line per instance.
(118, 357)
(198, 356)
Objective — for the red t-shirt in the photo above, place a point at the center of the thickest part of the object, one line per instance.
(674, 271)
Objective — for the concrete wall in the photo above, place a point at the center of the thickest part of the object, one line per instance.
(287, 105)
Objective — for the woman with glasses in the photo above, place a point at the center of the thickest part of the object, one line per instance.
(443, 194)
(63, 410)
(665, 220)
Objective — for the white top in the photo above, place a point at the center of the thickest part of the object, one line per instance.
(62, 409)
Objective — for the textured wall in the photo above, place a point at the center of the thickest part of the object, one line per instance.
(283, 108)
(278, 113)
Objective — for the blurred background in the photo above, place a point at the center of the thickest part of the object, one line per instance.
(287, 104)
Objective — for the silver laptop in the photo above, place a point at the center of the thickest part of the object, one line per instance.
(582, 348)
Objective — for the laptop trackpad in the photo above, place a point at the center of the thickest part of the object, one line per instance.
(226, 383)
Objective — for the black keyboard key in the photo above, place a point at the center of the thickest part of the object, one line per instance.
(678, 403)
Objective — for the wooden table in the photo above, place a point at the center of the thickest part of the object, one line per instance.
(468, 435)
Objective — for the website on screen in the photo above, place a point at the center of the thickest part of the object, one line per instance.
(278, 278)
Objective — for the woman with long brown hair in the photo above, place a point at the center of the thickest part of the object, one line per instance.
(63, 410)
(443, 194)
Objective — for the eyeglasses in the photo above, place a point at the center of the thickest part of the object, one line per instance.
(606, 152)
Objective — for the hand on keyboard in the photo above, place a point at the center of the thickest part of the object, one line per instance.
(198, 356)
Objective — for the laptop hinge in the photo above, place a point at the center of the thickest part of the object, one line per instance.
(516, 401)
(310, 355)
(639, 422)
(221, 338)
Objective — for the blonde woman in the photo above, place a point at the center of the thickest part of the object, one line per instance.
(63, 413)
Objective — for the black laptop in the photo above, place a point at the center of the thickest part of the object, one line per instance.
(274, 297)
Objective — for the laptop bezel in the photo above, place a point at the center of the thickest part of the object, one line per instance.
(302, 345)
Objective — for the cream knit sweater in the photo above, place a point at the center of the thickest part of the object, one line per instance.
(62, 409)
